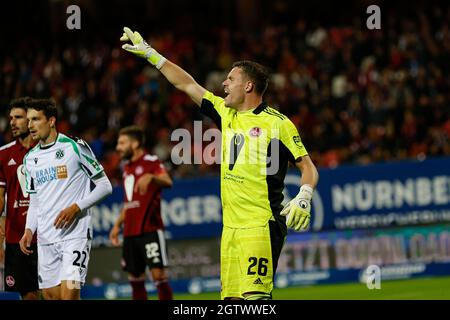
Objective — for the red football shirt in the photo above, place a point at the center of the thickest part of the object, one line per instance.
(143, 212)
(12, 177)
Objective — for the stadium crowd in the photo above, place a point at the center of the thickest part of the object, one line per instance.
(356, 95)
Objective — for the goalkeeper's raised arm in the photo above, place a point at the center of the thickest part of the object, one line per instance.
(176, 75)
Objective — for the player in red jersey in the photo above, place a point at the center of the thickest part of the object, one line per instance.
(144, 243)
(20, 270)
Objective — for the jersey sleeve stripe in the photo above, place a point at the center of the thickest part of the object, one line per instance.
(273, 114)
(73, 143)
(275, 111)
(207, 108)
(6, 146)
(86, 170)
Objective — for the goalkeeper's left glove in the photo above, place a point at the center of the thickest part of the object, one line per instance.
(297, 211)
(141, 48)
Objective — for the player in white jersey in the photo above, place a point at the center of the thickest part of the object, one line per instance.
(59, 172)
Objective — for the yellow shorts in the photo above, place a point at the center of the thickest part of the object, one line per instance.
(249, 258)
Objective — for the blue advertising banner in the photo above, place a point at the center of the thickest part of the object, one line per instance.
(348, 197)
(190, 209)
(381, 195)
(367, 256)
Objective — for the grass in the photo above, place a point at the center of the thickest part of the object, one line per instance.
(436, 288)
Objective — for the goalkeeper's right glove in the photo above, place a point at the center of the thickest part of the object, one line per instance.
(297, 211)
(141, 48)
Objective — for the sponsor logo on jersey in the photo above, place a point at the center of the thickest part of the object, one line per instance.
(35, 160)
(61, 172)
(12, 162)
(50, 174)
(21, 204)
(93, 163)
(258, 281)
(96, 165)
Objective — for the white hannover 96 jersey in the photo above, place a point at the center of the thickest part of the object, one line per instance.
(59, 175)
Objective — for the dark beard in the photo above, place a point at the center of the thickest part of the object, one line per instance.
(23, 135)
(127, 155)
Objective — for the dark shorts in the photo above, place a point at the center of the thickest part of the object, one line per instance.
(145, 250)
(21, 271)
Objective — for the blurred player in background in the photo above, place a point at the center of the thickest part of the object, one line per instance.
(253, 217)
(2, 251)
(59, 171)
(20, 270)
(144, 243)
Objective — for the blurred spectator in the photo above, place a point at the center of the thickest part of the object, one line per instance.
(356, 95)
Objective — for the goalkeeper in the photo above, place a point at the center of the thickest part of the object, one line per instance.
(257, 144)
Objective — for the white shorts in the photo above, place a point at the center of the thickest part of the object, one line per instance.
(64, 260)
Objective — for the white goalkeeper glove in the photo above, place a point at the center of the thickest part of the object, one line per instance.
(141, 48)
(297, 211)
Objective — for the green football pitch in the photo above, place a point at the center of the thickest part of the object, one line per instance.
(437, 288)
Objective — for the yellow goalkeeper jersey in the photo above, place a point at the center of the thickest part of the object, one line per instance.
(256, 147)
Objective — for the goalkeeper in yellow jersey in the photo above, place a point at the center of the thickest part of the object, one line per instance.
(257, 144)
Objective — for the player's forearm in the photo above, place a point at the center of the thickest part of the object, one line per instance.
(2, 200)
(309, 172)
(32, 221)
(121, 218)
(163, 181)
(183, 81)
(2, 210)
(103, 188)
(2, 232)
